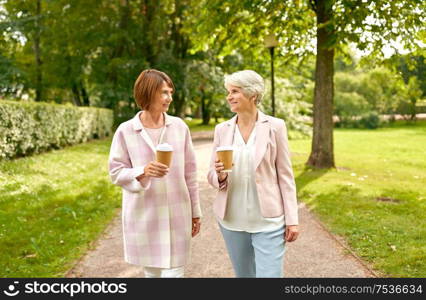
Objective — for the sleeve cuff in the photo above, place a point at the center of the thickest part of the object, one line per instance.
(223, 184)
(145, 182)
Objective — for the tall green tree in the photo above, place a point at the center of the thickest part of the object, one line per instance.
(24, 19)
(207, 83)
(241, 25)
(413, 66)
(12, 78)
(71, 38)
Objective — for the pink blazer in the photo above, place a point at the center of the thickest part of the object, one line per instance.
(274, 175)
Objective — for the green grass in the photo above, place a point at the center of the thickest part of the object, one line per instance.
(195, 124)
(387, 162)
(51, 207)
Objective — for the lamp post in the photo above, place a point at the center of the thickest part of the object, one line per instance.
(270, 43)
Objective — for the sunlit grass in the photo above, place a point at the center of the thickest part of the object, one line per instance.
(51, 207)
(196, 124)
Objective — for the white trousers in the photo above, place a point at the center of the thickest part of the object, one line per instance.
(164, 272)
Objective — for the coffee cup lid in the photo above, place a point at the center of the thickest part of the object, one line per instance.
(164, 147)
(224, 148)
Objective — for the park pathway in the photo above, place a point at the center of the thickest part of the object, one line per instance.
(316, 253)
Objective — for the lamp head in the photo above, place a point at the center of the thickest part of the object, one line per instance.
(271, 41)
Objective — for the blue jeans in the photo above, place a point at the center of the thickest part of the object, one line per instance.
(257, 254)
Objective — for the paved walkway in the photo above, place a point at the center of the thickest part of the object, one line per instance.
(316, 253)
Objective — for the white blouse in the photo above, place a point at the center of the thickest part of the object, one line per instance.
(243, 210)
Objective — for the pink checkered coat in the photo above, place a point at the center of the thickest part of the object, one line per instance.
(157, 216)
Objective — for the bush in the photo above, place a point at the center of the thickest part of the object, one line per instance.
(370, 120)
(349, 106)
(27, 128)
(290, 107)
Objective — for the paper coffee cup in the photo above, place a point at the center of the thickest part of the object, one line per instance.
(224, 154)
(164, 154)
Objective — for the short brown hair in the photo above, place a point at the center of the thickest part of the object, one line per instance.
(147, 85)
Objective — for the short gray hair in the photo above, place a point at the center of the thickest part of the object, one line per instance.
(249, 82)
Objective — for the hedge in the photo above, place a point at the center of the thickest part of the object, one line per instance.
(33, 127)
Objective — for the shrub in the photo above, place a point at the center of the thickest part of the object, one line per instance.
(349, 106)
(30, 127)
(370, 120)
(290, 107)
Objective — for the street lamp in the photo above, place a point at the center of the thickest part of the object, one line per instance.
(271, 42)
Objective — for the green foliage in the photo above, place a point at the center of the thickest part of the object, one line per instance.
(378, 90)
(290, 106)
(348, 106)
(9, 76)
(333, 24)
(28, 127)
(369, 25)
(370, 120)
(407, 106)
(412, 66)
(298, 124)
(206, 83)
(92, 52)
(383, 89)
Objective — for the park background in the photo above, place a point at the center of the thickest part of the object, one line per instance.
(349, 80)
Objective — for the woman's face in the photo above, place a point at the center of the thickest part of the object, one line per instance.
(162, 99)
(237, 101)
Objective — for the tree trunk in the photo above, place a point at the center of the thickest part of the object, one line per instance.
(322, 154)
(178, 106)
(148, 11)
(179, 45)
(76, 95)
(121, 45)
(204, 109)
(37, 53)
(84, 95)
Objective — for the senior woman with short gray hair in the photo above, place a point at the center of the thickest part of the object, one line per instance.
(256, 205)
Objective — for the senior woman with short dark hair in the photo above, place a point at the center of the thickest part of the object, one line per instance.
(256, 204)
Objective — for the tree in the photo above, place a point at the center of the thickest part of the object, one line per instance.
(58, 37)
(413, 65)
(241, 25)
(206, 82)
(70, 41)
(26, 17)
(291, 108)
(414, 93)
(383, 89)
(37, 52)
(12, 78)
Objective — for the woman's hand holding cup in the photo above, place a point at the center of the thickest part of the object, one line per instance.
(220, 167)
(155, 169)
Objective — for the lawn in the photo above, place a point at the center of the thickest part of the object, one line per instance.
(51, 207)
(376, 198)
(196, 124)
